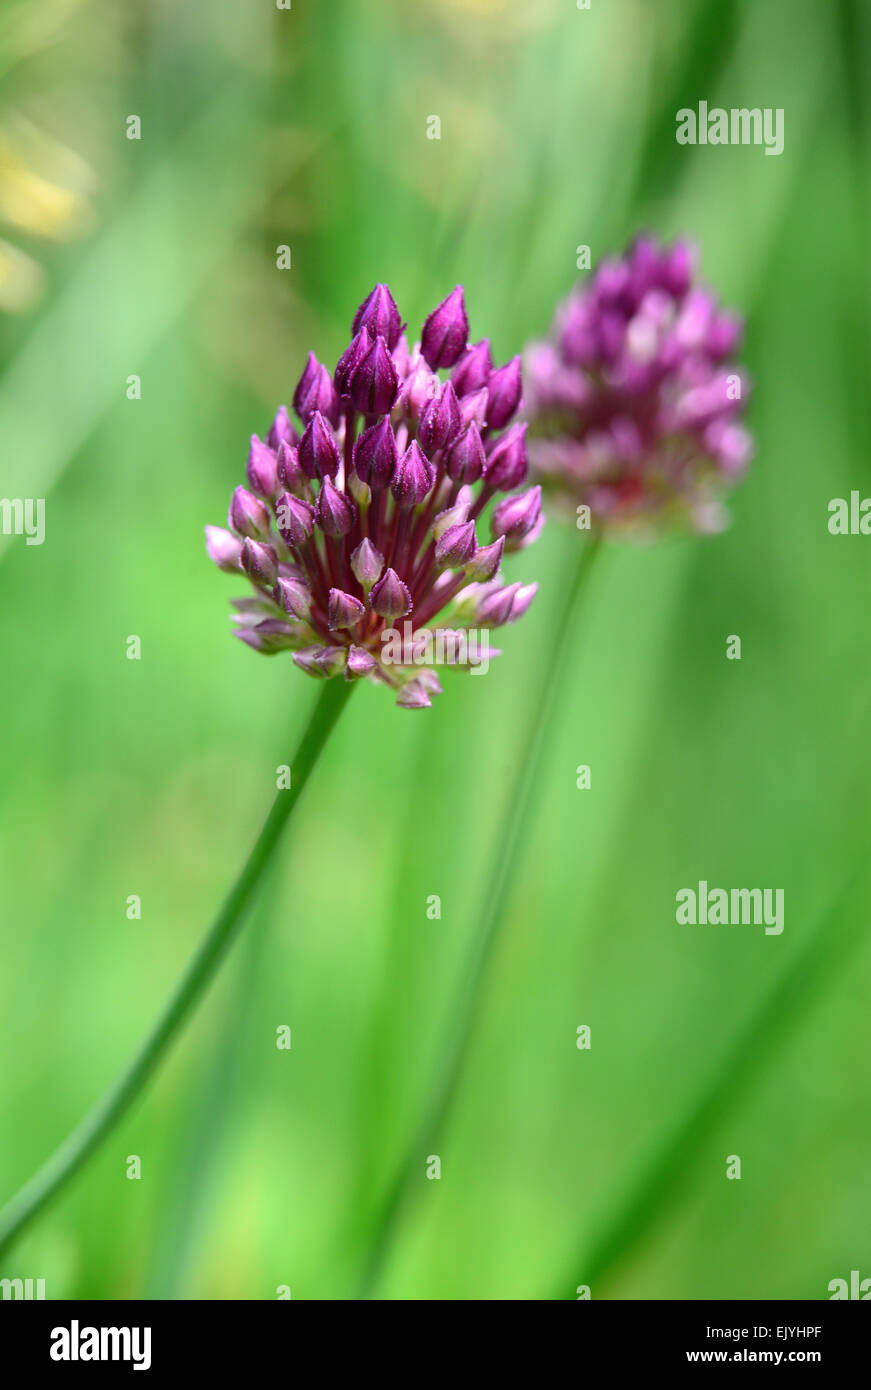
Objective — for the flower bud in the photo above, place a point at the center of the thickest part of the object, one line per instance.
(262, 469)
(320, 396)
(350, 360)
(248, 516)
(515, 517)
(223, 548)
(318, 453)
(446, 331)
(294, 597)
(281, 430)
(360, 663)
(367, 564)
(390, 598)
(290, 475)
(335, 512)
(494, 609)
(379, 315)
(421, 385)
(486, 562)
(309, 373)
(503, 394)
(507, 462)
(473, 408)
(360, 491)
(344, 610)
(375, 455)
(413, 695)
(295, 519)
(268, 637)
(440, 420)
(374, 382)
(320, 661)
(260, 563)
(473, 369)
(466, 458)
(453, 516)
(414, 477)
(456, 546)
(522, 599)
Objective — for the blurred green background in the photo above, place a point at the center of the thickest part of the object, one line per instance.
(156, 257)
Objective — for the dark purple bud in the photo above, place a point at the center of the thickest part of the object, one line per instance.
(367, 563)
(318, 452)
(294, 597)
(446, 331)
(375, 382)
(262, 468)
(320, 396)
(260, 563)
(379, 316)
(473, 369)
(344, 610)
(486, 563)
(507, 463)
(360, 663)
(375, 455)
(440, 420)
(515, 517)
(350, 360)
(248, 516)
(466, 457)
(390, 598)
(414, 477)
(503, 394)
(335, 511)
(223, 548)
(456, 546)
(290, 475)
(309, 373)
(281, 430)
(295, 519)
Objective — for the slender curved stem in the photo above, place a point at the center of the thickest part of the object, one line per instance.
(89, 1134)
(506, 858)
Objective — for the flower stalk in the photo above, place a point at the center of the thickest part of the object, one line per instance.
(512, 834)
(86, 1138)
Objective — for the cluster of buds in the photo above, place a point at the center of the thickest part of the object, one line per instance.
(632, 406)
(365, 516)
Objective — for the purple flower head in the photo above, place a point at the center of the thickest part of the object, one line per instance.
(634, 414)
(358, 534)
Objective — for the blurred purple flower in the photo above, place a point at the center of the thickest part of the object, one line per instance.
(634, 411)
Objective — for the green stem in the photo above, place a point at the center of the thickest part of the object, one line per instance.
(512, 833)
(92, 1130)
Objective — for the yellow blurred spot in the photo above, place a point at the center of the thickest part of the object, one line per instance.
(21, 279)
